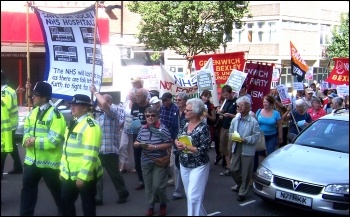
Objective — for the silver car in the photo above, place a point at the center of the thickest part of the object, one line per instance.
(313, 171)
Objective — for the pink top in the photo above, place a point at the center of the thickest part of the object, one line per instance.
(316, 115)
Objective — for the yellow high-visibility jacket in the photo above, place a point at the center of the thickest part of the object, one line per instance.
(6, 130)
(49, 133)
(9, 97)
(80, 151)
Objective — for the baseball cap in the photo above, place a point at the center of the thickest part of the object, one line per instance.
(154, 100)
(309, 90)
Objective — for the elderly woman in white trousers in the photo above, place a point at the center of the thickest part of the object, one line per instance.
(194, 160)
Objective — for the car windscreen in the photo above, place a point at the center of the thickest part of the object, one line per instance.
(326, 134)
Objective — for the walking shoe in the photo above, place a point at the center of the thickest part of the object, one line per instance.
(162, 210)
(12, 172)
(226, 173)
(176, 198)
(235, 188)
(139, 187)
(122, 198)
(240, 198)
(217, 160)
(150, 212)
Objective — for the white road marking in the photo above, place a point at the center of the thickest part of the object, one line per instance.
(214, 213)
(246, 203)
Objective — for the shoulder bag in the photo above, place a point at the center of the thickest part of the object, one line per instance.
(260, 145)
(164, 161)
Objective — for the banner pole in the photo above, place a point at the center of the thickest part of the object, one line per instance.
(28, 59)
(94, 50)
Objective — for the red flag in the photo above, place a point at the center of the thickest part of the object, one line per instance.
(298, 65)
(258, 82)
(340, 73)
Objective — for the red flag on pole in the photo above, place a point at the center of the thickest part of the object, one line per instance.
(340, 73)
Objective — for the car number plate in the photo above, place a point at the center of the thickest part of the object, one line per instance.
(306, 201)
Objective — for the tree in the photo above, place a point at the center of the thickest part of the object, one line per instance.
(339, 46)
(187, 27)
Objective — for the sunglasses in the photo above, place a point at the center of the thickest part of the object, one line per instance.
(152, 115)
(188, 110)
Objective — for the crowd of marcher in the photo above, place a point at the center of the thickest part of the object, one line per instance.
(160, 138)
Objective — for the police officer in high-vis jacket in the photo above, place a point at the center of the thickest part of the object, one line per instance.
(9, 101)
(44, 129)
(80, 165)
(6, 135)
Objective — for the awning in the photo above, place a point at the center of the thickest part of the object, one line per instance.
(13, 28)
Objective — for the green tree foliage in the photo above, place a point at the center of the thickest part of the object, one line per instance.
(187, 27)
(339, 46)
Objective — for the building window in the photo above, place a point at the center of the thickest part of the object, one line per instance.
(325, 34)
(256, 32)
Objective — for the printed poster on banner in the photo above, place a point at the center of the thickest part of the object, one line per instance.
(169, 82)
(284, 96)
(69, 45)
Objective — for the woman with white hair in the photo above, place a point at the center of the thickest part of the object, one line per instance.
(243, 149)
(194, 160)
(300, 117)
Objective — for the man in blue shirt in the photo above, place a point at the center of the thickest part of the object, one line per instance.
(169, 114)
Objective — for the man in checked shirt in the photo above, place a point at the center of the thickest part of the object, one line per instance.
(110, 122)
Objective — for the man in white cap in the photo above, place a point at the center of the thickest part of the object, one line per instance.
(308, 98)
(155, 102)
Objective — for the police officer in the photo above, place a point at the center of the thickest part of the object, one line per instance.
(6, 135)
(44, 129)
(80, 165)
(9, 99)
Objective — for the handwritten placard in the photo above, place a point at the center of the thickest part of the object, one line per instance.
(236, 80)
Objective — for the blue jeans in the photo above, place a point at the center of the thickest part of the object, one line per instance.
(271, 143)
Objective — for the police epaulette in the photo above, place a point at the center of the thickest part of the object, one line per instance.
(90, 122)
(58, 114)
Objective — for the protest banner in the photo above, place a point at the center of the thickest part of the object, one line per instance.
(298, 86)
(310, 73)
(298, 65)
(283, 93)
(343, 90)
(69, 44)
(275, 75)
(174, 84)
(340, 73)
(259, 76)
(204, 80)
(223, 64)
(236, 80)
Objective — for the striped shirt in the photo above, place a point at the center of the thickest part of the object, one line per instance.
(146, 136)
